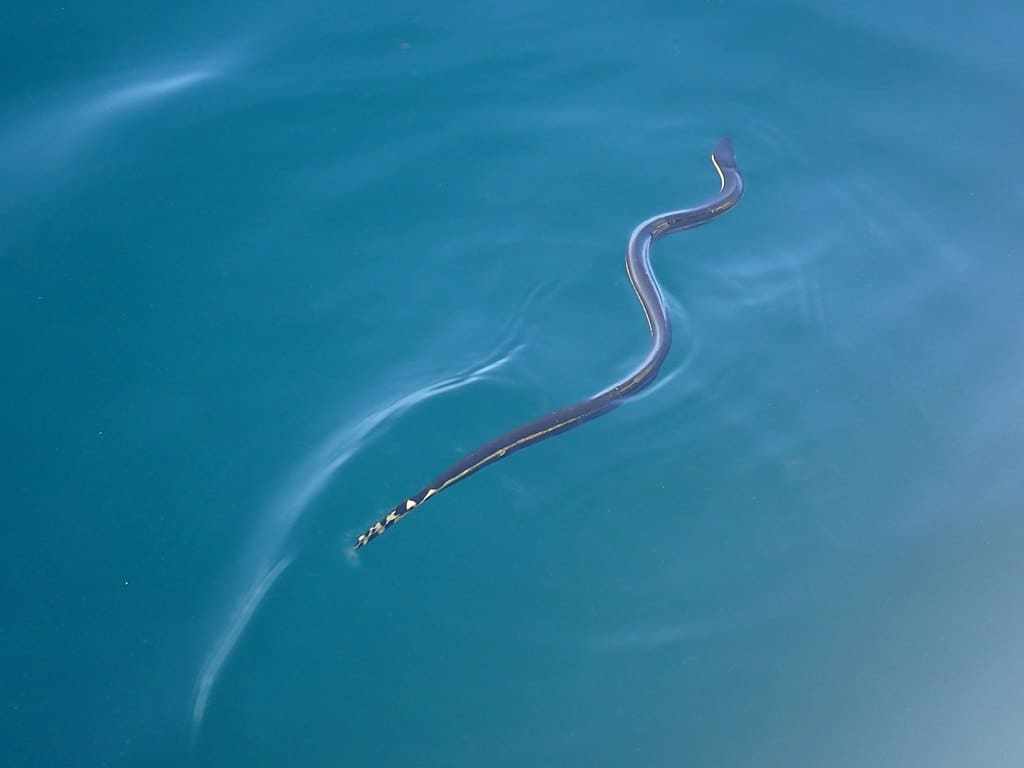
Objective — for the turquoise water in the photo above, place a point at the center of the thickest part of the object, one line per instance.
(266, 270)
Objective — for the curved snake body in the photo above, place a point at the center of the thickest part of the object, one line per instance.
(638, 267)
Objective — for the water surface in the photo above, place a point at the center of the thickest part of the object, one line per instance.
(265, 271)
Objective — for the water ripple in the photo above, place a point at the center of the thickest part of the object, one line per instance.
(292, 499)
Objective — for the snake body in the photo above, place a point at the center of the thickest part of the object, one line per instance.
(638, 267)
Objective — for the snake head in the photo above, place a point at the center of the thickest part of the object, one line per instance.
(723, 154)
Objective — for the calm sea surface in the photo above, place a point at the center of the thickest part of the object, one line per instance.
(267, 269)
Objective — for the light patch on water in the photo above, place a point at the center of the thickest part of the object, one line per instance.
(38, 141)
(784, 275)
(670, 633)
(137, 94)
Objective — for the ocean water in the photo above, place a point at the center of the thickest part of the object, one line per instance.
(267, 269)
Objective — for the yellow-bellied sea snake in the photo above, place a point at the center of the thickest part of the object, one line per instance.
(638, 267)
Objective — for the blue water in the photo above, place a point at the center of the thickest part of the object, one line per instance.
(266, 270)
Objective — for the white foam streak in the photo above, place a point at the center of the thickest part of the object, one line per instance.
(215, 661)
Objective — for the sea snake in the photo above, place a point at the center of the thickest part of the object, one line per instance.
(638, 267)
